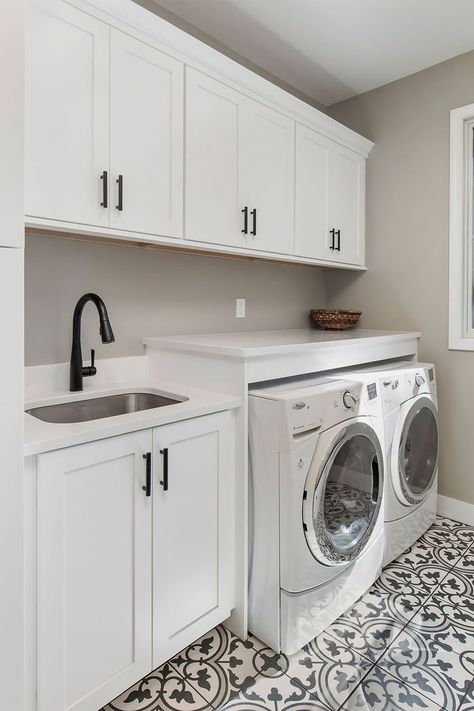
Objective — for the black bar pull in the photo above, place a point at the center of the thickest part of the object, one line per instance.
(105, 189)
(253, 231)
(246, 220)
(119, 205)
(147, 487)
(164, 481)
(332, 233)
(338, 234)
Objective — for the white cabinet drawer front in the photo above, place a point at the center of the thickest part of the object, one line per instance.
(311, 194)
(146, 140)
(192, 531)
(212, 202)
(94, 573)
(67, 113)
(267, 177)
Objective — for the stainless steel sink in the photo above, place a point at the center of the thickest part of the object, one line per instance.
(99, 407)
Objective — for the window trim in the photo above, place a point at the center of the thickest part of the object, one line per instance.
(461, 336)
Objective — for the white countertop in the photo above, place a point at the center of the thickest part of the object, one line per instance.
(262, 343)
(47, 385)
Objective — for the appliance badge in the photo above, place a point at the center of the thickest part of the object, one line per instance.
(372, 391)
(299, 406)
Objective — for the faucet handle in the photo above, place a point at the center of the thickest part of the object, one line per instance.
(90, 369)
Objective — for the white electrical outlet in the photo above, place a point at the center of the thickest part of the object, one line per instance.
(240, 308)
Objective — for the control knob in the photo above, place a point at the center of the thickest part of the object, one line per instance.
(419, 380)
(349, 400)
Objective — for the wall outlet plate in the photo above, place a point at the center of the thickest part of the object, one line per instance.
(240, 308)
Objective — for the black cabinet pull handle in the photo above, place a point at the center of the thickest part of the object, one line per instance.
(164, 481)
(338, 233)
(119, 205)
(253, 231)
(332, 233)
(147, 487)
(246, 220)
(105, 189)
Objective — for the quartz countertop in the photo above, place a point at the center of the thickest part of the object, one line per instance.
(254, 344)
(47, 385)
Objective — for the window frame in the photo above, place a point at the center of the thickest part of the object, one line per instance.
(461, 278)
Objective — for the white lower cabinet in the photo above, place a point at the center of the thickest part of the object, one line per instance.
(192, 531)
(128, 573)
(94, 572)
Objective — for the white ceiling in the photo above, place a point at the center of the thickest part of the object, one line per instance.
(333, 49)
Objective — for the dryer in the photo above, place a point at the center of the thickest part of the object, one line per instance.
(408, 407)
(316, 506)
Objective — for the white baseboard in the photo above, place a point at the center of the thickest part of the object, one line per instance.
(455, 509)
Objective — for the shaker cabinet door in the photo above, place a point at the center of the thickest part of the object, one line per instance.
(67, 114)
(146, 138)
(267, 177)
(193, 530)
(94, 572)
(312, 237)
(346, 206)
(213, 209)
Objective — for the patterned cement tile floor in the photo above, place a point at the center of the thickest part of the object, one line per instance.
(408, 643)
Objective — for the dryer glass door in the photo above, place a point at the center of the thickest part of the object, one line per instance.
(418, 450)
(347, 496)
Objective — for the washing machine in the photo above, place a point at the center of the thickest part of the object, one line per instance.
(408, 407)
(316, 506)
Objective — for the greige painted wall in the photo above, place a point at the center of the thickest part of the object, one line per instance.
(151, 292)
(406, 285)
(173, 19)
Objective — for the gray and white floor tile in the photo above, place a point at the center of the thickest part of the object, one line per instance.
(162, 690)
(436, 663)
(407, 644)
(280, 694)
(220, 665)
(328, 669)
(380, 691)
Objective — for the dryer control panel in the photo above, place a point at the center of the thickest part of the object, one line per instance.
(312, 410)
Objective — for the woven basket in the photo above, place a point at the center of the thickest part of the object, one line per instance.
(334, 319)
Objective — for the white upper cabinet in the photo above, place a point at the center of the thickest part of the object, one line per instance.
(329, 199)
(193, 525)
(67, 113)
(212, 201)
(146, 138)
(267, 177)
(129, 135)
(311, 194)
(346, 206)
(239, 169)
(94, 572)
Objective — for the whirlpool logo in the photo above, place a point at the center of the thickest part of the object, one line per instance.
(299, 406)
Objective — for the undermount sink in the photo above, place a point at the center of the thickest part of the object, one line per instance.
(99, 407)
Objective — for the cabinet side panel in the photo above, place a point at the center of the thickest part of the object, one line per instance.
(264, 522)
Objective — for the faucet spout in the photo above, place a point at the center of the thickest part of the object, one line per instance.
(77, 371)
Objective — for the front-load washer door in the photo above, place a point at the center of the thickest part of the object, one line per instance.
(343, 493)
(414, 456)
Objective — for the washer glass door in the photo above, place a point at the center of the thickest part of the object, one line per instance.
(418, 450)
(347, 496)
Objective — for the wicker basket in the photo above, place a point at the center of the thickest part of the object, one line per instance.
(334, 319)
